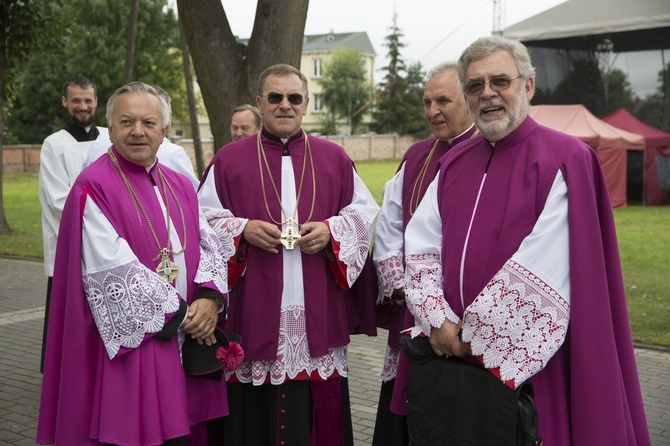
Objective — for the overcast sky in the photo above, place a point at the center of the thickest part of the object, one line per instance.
(434, 30)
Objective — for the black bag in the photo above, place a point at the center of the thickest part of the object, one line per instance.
(451, 402)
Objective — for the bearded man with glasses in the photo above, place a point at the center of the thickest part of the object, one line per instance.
(512, 264)
(297, 222)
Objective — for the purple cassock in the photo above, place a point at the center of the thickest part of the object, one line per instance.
(113, 371)
(256, 298)
(402, 196)
(527, 258)
(294, 311)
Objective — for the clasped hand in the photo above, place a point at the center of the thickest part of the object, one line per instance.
(445, 342)
(314, 236)
(201, 320)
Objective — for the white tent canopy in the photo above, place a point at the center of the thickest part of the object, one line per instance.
(649, 20)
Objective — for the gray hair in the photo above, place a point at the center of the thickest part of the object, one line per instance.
(254, 111)
(281, 69)
(486, 45)
(440, 69)
(141, 87)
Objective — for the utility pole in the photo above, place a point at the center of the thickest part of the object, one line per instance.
(498, 17)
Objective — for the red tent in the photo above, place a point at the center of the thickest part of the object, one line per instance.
(610, 143)
(657, 155)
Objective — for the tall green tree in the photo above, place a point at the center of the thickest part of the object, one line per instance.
(93, 44)
(397, 109)
(655, 108)
(416, 121)
(620, 93)
(388, 107)
(345, 88)
(228, 70)
(23, 24)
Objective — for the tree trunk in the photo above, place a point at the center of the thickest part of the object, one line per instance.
(132, 37)
(4, 225)
(227, 71)
(192, 109)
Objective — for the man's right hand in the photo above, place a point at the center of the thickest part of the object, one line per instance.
(262, 234)
(444, 340)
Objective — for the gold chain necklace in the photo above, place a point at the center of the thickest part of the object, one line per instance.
(291, 233)
(415, 200)
(167, 269)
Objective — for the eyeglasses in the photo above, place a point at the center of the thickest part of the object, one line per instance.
(496, 84)
(293, 98)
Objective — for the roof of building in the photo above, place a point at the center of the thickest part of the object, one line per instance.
(326, 42)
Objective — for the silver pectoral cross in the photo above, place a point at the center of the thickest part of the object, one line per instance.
(290, 235)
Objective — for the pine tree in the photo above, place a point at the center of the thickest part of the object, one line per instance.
(397, 108)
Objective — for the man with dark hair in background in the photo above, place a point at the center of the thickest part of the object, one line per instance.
(61, 159)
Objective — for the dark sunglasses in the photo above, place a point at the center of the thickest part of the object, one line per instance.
(293, 98)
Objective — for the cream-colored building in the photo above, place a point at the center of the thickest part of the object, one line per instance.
(317, 51)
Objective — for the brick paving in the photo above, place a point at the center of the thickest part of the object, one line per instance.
(22, 291)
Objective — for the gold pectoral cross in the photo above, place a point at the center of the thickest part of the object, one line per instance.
(167, 269)
(289, 235)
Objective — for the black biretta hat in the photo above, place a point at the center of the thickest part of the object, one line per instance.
(209, 361)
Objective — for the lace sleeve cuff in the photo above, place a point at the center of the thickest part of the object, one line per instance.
(128, 302)
(423, 291)
(390, 276)
(517, 323)
(352, 230)
(227, 227)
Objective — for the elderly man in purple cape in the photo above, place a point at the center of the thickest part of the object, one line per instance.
(299, 239)
(514, 244)
(447, 115)
(137, 269)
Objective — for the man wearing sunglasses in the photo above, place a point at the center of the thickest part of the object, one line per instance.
(447, 116)
(298, 221)
(512, 262)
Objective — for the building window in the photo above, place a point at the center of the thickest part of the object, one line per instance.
(318, 103)
(317, 67)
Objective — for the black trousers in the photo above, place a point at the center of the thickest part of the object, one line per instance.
(46, 321)
(269, 415)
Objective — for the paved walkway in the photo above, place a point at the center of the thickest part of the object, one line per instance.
(22, 291)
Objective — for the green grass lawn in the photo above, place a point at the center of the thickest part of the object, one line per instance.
(24, 215)
(643, 233)
(644, 246)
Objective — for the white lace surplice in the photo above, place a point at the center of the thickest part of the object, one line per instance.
(520, 318)
(388, 251)
(351, 228)
(127, 299)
